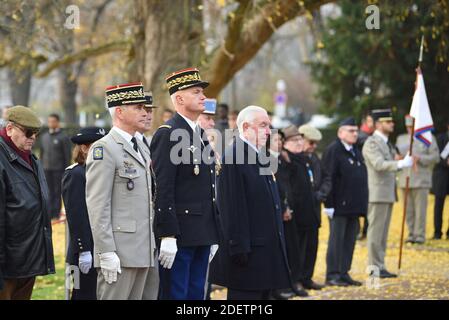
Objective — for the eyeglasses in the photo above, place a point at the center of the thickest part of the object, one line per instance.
(29, 132)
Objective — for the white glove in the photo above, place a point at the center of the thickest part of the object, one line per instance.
(168, 252)
(85, 261)
(407, 162)
(329, 212)
(213, 251)
(110, 265)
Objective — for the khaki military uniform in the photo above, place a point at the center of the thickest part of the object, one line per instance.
(118, 196)
(379, 160)
(419, 184)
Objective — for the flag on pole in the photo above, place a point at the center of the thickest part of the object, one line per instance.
(421, 112)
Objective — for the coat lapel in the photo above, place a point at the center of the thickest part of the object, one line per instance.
(126, 146)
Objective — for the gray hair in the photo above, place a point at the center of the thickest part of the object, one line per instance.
(112, 111)
(248, 115)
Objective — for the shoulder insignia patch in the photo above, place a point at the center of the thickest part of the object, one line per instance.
(165, 126)
(98, 153)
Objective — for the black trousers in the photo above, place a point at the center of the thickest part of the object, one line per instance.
(438, 216)
(87, 286)
(248, 295)
(308, 249)
(340, 249)
(54, 178)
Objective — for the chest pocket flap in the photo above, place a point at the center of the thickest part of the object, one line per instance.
(124, 225)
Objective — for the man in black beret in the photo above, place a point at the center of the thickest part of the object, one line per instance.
(347, 201)
(26, 248)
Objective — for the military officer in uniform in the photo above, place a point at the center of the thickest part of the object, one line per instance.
(119, 197)
(379, 157)
(185, 216)
(420, 181)
(149, 106)
(80, 248)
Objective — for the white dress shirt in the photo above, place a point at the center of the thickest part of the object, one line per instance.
(128, 138)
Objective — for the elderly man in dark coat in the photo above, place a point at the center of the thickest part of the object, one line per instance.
(26, 249)
(251, 259)
(347, 201)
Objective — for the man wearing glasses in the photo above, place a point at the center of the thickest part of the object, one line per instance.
(26, 249)
(347, 201)
(321, 184)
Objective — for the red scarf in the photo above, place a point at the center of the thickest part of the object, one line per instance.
(25, 155)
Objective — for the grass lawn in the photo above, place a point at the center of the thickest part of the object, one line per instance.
(424, 273)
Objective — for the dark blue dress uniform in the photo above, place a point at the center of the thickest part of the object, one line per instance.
(184, 206)
(74, 195)
(251, 259)
(80, 234)
(349, 198)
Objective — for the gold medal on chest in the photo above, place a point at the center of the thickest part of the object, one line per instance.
(196, 170)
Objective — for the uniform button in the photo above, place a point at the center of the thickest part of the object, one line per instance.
(79, 239)
(158, 209)
(277, 207)
(118, 228)
(212, 171)
(81, 248)
(213, 185)
(213, 199)
(169, 208)
(187, 211)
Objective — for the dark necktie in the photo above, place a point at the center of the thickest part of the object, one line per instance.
(352, 152)
(134, 141)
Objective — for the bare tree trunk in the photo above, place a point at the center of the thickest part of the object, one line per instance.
(166, 40)
(20, 85)
(68, 87)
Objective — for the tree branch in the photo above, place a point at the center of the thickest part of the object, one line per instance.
(254, 34)
(89, 52)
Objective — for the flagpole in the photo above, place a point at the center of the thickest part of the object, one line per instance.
(421, 48)
(407, 187)
(407, 179)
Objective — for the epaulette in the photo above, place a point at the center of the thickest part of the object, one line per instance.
(72, 166)
(165, 126)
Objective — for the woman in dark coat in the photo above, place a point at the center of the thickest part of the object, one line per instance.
(79, 252)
